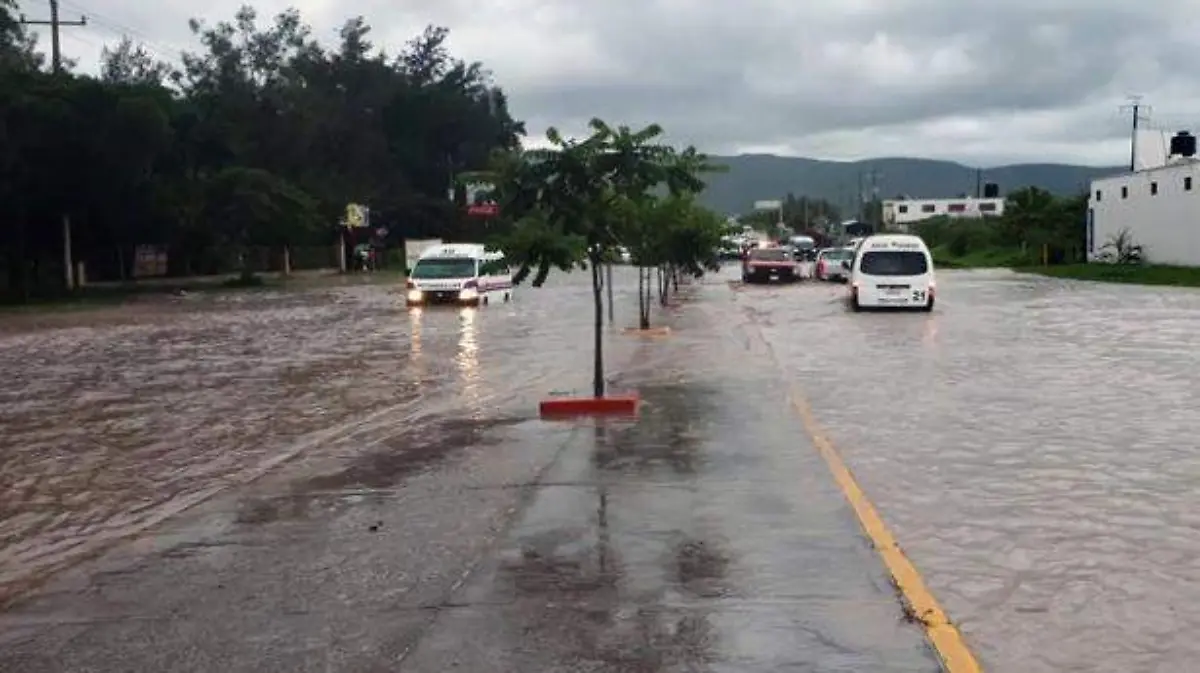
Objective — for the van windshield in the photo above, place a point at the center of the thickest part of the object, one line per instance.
(444, 268)
(894, 263)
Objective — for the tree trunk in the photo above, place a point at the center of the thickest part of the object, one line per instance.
(608, 286)
(643, 314)
(68, 260)
(598, 301)
(675, 279)
(244, 263)
(287, 261)
(662, 286)
(645, 324)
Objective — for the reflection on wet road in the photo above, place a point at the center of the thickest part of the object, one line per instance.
(366, 490)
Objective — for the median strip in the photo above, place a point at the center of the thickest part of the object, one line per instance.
(920, 604)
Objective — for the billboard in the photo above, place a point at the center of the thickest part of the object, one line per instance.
(481, 200)
(768, 205)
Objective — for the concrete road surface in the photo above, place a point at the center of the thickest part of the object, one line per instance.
(469, 536)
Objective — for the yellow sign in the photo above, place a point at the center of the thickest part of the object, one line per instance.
(356, 216)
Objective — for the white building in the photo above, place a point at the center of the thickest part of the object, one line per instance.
(898, 214)
(1160, 208)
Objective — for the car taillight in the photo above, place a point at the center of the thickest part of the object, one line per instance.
(409, 285)
(821, 266)
(932, 289)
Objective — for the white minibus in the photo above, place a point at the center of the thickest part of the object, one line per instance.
(891, 271)
(459, 273)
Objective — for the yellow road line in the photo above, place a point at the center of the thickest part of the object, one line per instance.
(946, 639)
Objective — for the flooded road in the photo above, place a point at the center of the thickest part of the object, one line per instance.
(1032, 445)
(418, 519)
(107, 429)
(326, 481)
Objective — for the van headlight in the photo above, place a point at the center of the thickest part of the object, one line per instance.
(469, 293)
(415, 295)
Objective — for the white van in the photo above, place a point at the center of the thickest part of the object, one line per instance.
(459, 273)
(892, 271)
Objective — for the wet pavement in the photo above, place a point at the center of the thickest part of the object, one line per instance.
(323, 481)
(430, 523)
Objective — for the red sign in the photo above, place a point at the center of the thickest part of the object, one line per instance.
(484, 210)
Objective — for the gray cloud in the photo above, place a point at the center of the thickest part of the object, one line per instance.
(984, 82)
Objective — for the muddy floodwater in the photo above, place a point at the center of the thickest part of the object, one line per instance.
(1031, 443)
(116, 419)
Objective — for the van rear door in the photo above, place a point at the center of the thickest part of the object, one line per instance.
(891, 276)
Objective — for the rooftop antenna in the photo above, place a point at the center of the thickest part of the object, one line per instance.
(1136, 107)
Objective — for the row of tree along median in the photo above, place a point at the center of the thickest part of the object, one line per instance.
(574, 205)
(1044, 234)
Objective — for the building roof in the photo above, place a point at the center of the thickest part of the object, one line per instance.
(957, 199)
(1176, 164)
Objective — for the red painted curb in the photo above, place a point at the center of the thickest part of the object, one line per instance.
(589, 406)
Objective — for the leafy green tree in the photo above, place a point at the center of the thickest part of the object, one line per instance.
(1035, 225)
(138, 155)
(693, 243)
(249, 206)
(130, 63)
(668, 237)
(579, 191)
(17, 45)
(801, 214)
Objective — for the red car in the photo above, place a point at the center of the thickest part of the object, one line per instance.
(760, 265)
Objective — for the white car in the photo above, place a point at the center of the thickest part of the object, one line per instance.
(892, 271)
(829, 263)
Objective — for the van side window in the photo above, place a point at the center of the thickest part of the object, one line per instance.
(495, 267)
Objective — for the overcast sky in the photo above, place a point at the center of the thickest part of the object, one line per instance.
(982, 82)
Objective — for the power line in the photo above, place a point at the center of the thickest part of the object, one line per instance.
(123, 29)
(54, 23)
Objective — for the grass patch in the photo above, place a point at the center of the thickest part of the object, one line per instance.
(988, 258)
(1137, 274)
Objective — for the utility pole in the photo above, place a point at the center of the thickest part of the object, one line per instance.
(1135, 106)
(56, 61)
(873, 176)
(858, 211)
(54, 22)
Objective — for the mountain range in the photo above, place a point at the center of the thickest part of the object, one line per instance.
(755, 177)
